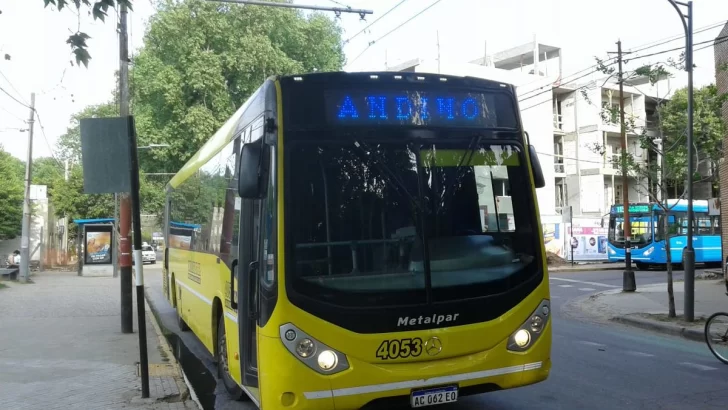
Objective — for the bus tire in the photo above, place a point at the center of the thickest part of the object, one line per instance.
(223, 372)
(642, 266)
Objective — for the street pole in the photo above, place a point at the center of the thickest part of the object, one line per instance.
(689, 250)
(25, 238)
(127, 313)
(138, 261)
(629, 283)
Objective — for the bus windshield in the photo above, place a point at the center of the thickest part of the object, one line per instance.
(361, 215)
(641, 226)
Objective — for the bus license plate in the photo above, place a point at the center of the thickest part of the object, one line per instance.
(432, 397)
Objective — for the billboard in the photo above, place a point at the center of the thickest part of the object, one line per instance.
(98, 247)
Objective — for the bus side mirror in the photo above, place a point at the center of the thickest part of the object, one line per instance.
(253, 171)
(538, 178)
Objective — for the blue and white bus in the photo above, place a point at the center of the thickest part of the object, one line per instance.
(648, 234)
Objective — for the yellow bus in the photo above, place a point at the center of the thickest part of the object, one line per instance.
(364, 240)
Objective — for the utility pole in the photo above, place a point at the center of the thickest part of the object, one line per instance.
(689, 250)
(136, 214)
(127, 313)
(628, 280)
(25, 238)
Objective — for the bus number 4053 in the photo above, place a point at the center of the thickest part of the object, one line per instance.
(399, 349)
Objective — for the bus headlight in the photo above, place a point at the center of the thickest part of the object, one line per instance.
(305, 348)
(649, 251)
(327, 360)
(612, 251)
(529, 332)
(522, 338)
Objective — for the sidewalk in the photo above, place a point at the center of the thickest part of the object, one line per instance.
(647, 307)
(61, 347)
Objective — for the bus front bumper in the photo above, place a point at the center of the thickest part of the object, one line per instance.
(382, 386)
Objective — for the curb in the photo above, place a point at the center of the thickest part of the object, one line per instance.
(665, 328)
(185, 390)
(584, 268)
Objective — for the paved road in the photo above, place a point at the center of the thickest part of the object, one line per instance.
(595, 366)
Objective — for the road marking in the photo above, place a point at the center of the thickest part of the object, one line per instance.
(602, 285)
(640, 354)
(565, 286)
(585, 342)
(698, 366)
(587, 289)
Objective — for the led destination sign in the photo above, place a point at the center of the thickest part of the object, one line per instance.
(619, 209)
(419, 108)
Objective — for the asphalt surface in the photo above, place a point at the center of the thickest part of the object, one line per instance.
(595, 366)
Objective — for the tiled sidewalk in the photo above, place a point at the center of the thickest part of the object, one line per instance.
(61, 347)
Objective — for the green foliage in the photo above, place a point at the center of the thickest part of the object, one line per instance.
(11, 195)
(69, 199)
(47, 171)
(202, 60)
(69, 144)
(99, 10)
(708, 127)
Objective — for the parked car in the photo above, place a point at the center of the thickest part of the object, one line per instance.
(148, 255)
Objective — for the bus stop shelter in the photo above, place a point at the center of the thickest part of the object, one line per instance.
(96, 244)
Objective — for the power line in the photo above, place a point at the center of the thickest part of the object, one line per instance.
(14, 99)
(374, 22)
(12, 86)
(722, 40)
(680, 36)
(340, 4)
(393, 30)
(42, 131)
(643, 47)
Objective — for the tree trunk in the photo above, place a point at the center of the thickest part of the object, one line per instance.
(670, 294)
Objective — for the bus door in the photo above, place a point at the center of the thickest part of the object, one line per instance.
(248, 290)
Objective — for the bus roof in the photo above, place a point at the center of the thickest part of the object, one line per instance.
(673, 205)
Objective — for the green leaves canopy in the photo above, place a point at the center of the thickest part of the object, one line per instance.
(202, 60)
(708, 127)
(11, 195)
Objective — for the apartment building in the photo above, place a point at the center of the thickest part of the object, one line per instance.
(588, 143)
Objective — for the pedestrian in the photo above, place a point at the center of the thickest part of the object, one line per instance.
(15, 259)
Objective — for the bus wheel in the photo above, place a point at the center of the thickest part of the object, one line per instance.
(642, 266)
(223, 369)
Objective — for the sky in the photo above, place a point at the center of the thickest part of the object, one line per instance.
(35, 38)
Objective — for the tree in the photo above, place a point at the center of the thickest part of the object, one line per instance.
(70, 200)
(653, 173)
(202, 60)
(708, 131)
(69, 144)
(654, 177)
(11, 195)
(99, 9)
(47, 171)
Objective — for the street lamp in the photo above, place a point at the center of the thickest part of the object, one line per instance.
(689, 251)
(150, 146)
